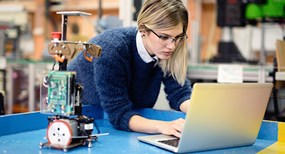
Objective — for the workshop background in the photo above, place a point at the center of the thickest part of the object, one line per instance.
(233, 34)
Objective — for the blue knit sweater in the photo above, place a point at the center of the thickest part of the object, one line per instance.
(120, 81)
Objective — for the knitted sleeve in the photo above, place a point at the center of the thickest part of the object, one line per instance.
(111, 74)
(176, 94)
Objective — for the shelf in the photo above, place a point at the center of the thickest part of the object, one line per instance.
(86, 5)
(254, 73)
(31, 5)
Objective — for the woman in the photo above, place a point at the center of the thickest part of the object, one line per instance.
(133, 64)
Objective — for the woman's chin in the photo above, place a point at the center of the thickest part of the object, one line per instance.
(164, 57)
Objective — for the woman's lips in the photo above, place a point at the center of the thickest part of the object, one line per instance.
(167, 53)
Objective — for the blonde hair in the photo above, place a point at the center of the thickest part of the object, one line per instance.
(163, 15)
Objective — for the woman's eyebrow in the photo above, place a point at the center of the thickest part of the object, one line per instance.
(181, 34)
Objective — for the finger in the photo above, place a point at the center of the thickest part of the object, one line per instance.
(179, 124)
(177, 128)
(176, 133)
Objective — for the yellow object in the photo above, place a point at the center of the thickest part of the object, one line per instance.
(279, 146)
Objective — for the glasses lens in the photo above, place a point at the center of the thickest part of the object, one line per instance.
(165, 40)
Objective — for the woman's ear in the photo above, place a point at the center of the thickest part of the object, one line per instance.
(142, 31)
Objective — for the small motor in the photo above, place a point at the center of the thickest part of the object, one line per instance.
(67, 133)
(60, 133)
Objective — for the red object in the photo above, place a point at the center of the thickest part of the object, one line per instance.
(56, 35)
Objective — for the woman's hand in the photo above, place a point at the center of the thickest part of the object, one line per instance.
(141, 124)
(174, 127)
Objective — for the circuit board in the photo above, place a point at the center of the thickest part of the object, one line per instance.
(60, 93)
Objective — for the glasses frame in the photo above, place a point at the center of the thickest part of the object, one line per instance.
(183, 37)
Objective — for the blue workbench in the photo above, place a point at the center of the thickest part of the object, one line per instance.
(22, 133)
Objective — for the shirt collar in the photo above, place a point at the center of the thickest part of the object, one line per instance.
(142, 50)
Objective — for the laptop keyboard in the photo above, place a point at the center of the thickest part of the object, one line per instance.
(171, 142)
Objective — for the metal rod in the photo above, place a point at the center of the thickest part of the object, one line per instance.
(262, 55)
(100, 10)
(31, 87)
(63, 65)
(63, 27)
(2, 42)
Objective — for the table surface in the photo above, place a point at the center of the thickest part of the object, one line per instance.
(116, 142)
(120, 141)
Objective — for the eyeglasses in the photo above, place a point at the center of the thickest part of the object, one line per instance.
(166, 40)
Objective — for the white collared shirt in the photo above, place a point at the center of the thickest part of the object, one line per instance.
(142, 50)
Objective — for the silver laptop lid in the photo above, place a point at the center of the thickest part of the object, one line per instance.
(224, 115)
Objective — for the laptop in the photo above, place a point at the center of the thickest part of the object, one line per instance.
(220, 115)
